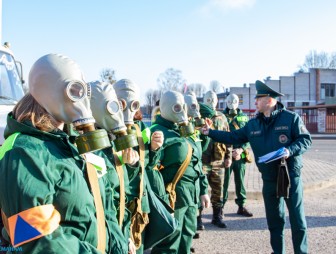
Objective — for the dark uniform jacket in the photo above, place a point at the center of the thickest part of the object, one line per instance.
(282, 129)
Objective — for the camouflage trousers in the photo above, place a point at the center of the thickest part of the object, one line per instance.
(215, 174)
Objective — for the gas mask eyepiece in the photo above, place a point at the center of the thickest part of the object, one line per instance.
(108, 112)
(89, 139)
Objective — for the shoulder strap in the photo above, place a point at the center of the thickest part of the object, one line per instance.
(183, 166)
(8, 144)
(101, 230)
(142, 164)
(120, 172)
(170, 188)
(235, 124)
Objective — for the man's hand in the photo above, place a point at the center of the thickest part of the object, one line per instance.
(130, 156)
(227, 163)
(131, 247)
(156, 140)
(287, 153)
(236, 154)
(206, 127)
(205, 201)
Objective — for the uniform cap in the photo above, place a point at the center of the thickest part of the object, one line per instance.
(264, 90)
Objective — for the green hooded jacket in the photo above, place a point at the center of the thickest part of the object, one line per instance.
(40, 169)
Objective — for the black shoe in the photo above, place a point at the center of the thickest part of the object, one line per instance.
(219, 223)
(192, 249)
(244, 212)
(218, 217)
(196, 236)
(200, 225)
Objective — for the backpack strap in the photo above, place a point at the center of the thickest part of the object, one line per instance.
(101, 230)
(122, 198)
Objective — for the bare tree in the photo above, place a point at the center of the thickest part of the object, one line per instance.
(108, 75)
(197, 88)
(318, 60)
(171, 79)
(152, 96)
(215, 86)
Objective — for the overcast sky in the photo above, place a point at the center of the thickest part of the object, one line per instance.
(232, 41)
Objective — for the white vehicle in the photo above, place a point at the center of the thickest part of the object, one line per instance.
(11, 85)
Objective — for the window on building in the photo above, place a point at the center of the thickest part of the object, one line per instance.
(305, 103)
(290, 104)
(327, 90)
(240, 96)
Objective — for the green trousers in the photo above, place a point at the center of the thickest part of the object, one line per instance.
(180, 241)
(238, 168)
(275, 215)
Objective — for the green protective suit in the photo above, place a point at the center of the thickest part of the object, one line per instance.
(40, 168)
(238, 167)
(173, 154)
(266, 134)
(134, 173)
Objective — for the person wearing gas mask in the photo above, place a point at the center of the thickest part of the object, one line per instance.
(107, 112)
(240, 155)
(52, 200)
(201, 141)
(216, 158)
(150, 143)
(179, 166)
(273, 128)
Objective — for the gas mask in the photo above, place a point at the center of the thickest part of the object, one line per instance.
(107, 111)
(129, 95)
(232, 102)
(56, 82)
(193, 109)
(174, 109)
(210, 99)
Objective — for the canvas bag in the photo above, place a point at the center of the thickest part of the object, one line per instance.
(161, 219)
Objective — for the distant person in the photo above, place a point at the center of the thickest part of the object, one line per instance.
(273, 128)
(240, 155)
(215, 159)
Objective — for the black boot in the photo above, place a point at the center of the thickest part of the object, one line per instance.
(244, 212)
(217, 217)
(200, 225)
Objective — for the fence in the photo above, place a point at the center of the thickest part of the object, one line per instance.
(310, 119)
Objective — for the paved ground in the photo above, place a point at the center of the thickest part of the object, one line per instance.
(250, 235)
(318, 170)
